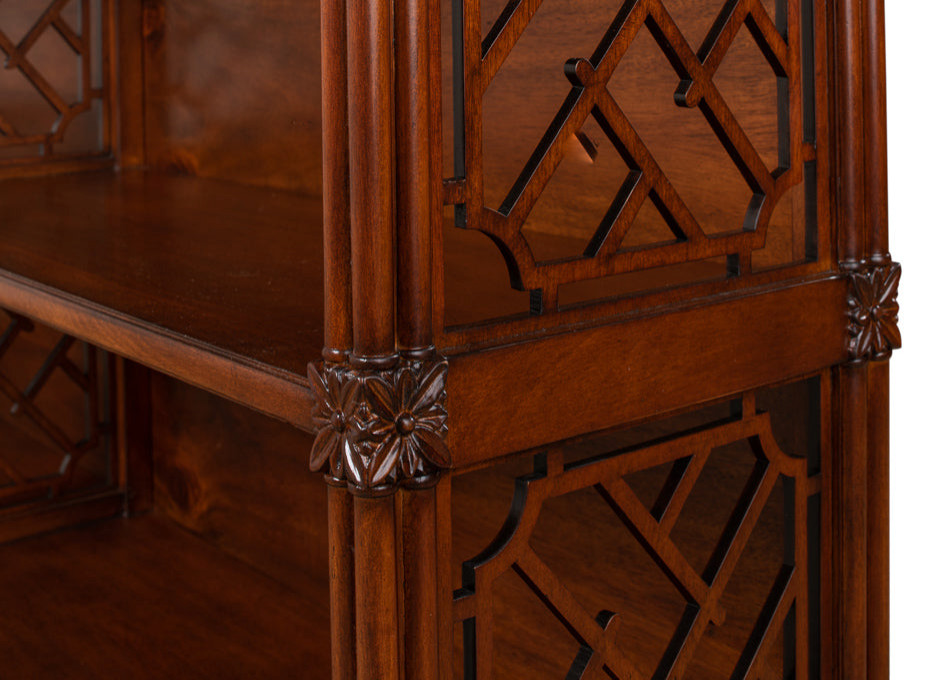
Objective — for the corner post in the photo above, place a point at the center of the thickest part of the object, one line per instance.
(888, 277)
(379, 414)
(860, 462)
(380, 434)
(338, 318)
(423, 510)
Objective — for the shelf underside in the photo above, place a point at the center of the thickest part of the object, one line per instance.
(143, 599)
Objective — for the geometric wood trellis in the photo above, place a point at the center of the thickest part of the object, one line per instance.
(18, 58)
(477, 62)
(651, 527)
(56, 481)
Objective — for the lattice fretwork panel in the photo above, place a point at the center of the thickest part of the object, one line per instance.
(600, 156)
(55, 430)
(54, 84)
(686, 555)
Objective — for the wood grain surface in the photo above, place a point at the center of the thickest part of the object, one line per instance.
(232, 90)
(144, 599)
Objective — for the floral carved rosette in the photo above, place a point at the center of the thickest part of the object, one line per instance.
(872, 310)
(336, 419)
(379, 430)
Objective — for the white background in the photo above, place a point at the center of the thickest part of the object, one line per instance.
(918, 32)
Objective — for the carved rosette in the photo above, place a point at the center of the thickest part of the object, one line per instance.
(378, 430)
(872, 309)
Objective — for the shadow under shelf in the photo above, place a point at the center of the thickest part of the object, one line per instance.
(145, 598)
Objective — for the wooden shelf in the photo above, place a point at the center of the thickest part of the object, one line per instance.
(214, 262)
(210, 281)
(141, 598)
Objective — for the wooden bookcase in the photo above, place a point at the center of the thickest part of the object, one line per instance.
(583, 310)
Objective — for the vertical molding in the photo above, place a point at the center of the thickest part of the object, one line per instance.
(421, 592)
(444, 578)
(875, 132)
(850, 130)
(338, 318)
(860, 503)
(879, 258)
(413, 186)
(878, 521)
(342, 588)
(849, 525)
(388, 518)
(436, 172)
(376, 597)
(338, 294)
(370, 110)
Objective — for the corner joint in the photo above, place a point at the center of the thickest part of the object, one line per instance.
(380, 429)
(872, 310)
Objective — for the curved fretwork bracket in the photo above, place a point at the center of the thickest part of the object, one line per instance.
(872, 310)
(378, 430)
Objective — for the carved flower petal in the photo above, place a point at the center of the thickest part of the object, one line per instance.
(326, 442)
(410, 460)
(406, 389)
(877, 340)
(376, 430)
(888, 308)
(320, 389)
(315, 375)
(434, 419)
(384, 460)
(320, 420)
(379, 394)
(349, 397)
(431, 387)
(432, 447)
(862, 343)
(888, 289)
(864, 290)
(891, 332)
(352, 460)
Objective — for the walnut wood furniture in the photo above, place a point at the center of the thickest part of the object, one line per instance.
(583, 309)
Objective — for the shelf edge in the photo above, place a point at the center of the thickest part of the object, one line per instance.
(272, 391)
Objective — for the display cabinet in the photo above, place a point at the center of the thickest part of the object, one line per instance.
(578, 311)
